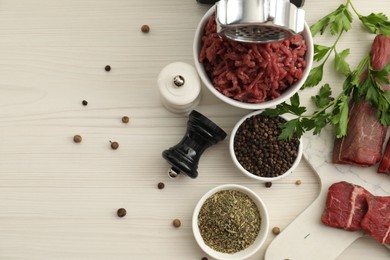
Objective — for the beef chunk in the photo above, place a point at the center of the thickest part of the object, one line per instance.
(384, 166)
(376, 222)
(346, 205)
(365, 136)
(380, 55)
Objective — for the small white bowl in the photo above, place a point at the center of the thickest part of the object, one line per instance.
(197, 44)
(249, 174)
(249, 251)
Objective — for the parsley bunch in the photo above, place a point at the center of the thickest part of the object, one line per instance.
(334, 110)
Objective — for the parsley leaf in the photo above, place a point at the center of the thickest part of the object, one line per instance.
(362, 82)
(284, 108)
(320, 51)
(382, 75)
(290, 128)
(341, 21)
(376, 23)
(340, 116)
(338, 20)
(340, 64)
(324, 97)
(315, 76)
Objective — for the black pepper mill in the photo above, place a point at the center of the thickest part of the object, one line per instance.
(201, 133)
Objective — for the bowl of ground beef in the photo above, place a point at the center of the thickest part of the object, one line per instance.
(251, 75)
(257, 150)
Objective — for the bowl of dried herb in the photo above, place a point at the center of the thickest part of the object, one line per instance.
(230, 222)
(259, 149)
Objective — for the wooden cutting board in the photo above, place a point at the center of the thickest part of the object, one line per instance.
(306, 237)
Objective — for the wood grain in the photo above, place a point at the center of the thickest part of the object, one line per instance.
(58, 199)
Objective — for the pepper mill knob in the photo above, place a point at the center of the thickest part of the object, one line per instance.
(201, 133)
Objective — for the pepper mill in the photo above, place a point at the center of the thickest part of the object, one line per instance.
(201, 133)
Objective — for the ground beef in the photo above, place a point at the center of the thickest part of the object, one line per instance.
(251, 72)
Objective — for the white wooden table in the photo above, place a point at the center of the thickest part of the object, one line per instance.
(58, 199)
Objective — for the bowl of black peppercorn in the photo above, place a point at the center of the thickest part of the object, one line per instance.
(258, 151)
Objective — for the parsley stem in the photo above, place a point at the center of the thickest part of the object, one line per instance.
(353, 8)
(333, 48)
(323, 109)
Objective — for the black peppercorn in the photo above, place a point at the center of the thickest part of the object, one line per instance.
(160, 185)
(84, 102)
(107, 68)
(258, 149)
(77, 138)
(121, 212)
(204, 258)
(114, 145)
(145, 28)
(268, 184)
(125, 119)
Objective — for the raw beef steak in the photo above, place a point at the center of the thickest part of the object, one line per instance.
(384, 166)
(365, 135)
(364, 140)
(376, 222)
(380, 54)
(346, 205)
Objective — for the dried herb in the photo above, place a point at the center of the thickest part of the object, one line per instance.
(229, 221)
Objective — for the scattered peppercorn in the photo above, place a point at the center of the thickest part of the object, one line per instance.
(121, 212)
(205, 258)
(176, 223)
(85, 102)
(298, 182)
(77, 138)
(145, 28)
(114, 145)
(268, 184)
(258, 149)
(125, 119)
(276, 230)
(107, 68)
(160, 185)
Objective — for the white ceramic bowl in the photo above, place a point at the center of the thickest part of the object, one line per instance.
(197, 44)
(249, 251)
(249, 174)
